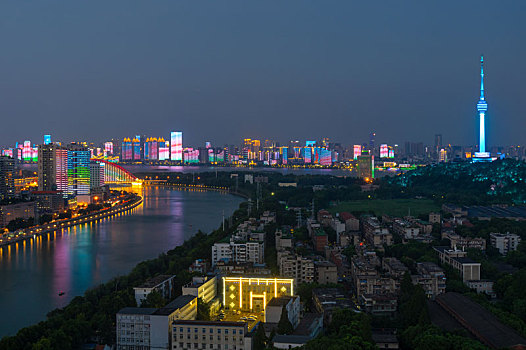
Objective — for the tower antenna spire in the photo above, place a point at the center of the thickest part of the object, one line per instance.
(482, 77)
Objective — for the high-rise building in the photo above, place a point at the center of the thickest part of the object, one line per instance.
(47, 167)
(482, 107)
(176, 146)
(7, 182)
(96, 170)
(78, 170)
(366, 167)
(47, 139)
(372, 139)
(357, 151)
(438, 142)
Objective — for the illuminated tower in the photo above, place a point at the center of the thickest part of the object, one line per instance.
(482, 107)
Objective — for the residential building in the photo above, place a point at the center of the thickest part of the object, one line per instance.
(326, 300)
(325, 272)
(297, 267)
(150, 328)
(275, 308)
(434, 218)
(20, 210)
(405, 229)
(319, 239)
(204, 287)
(162, 284)
(239, 251)
(431, 277)
(283, 240)
(200, 266)
(482, 286)
(379, 304)
(464, 243)
(188, 334)
(289, 341)
(468, 269)
(7, 182)
(350, 221)
(374, 233)
(505, 242)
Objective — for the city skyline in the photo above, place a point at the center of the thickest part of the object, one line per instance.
(187, 70)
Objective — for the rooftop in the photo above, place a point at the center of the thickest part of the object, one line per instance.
(482, 322)
(155, 281)
(177, 303)
(209, 323)
(137, 311)
(291, 339)
(280, 301)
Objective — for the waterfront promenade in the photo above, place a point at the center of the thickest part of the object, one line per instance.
(56, 225)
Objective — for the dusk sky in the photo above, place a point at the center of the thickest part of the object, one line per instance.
(223, 70)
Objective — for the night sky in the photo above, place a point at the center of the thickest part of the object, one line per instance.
(223, 70)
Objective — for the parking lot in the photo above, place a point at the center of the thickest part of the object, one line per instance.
(239, 316)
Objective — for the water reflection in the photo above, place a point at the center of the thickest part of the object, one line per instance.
(77, 258)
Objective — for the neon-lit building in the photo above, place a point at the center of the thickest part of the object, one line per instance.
(108, 148)
(164, 149)
(136, 146)
(307, 155)
(253, 293)
(78, 162)
(127, 151)
(176, 146)
(284, 155)
(384, 151)
(326, 157)
(47, 139)
(27, 153)
(61, 170)
(391, 153)
(191, 156)
(366, 167)
(357, 151)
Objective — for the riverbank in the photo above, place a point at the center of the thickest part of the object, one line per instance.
(90, 316)
(40, 230)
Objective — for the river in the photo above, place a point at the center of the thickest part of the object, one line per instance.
(33, 272)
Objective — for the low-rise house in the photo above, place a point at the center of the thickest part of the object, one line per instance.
(350, 221)
(505, 243)
(162, 284)
(275, 308)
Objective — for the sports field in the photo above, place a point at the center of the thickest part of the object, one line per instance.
(392, 207)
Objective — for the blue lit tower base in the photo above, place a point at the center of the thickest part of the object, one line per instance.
(482, 107)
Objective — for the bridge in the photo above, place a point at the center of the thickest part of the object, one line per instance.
(115, 174)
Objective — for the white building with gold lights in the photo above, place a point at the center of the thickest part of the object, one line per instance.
(253, 293)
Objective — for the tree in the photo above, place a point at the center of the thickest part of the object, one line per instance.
(154, 299)
(203, 310)
(260, 338)
(284, 325)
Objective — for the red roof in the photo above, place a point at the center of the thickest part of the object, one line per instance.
(346, 216)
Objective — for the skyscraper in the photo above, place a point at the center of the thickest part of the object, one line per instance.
(47, 169)
(78, 170)
(366, 167)
(176, 146)
(47, 139)
(7, 182)
(482, 107)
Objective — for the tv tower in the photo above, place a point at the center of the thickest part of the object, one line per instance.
(482, 107)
